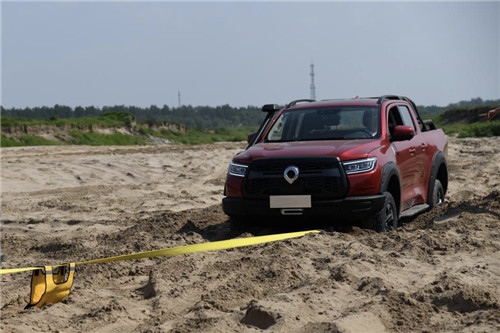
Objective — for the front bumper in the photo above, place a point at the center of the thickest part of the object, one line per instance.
(350, 207)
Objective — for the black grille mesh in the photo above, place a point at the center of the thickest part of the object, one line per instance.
(303, 166)
(320, 177)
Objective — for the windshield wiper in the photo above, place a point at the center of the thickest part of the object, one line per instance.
(307, 139)
(321, 139)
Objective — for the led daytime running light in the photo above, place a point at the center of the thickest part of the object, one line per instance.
(238, 170)
(360, 166)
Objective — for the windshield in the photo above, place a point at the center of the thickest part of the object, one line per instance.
(326, 123)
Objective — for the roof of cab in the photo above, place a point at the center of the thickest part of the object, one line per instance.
(362, 101)
(334, 102)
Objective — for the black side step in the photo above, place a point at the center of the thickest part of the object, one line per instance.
(414, 210)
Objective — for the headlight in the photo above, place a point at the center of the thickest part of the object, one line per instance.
(238, 170)
(360, 166)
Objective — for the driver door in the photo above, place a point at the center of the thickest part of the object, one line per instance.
(406, 159)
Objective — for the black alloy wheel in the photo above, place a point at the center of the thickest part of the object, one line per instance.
(387, 218)
(438, 194)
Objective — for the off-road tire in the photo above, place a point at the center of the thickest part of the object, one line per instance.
(386, 219)
(437, 194)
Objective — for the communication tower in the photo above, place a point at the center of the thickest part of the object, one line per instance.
(313, 87)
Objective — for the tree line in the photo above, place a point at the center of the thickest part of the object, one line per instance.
(191, 116)
(478, 101)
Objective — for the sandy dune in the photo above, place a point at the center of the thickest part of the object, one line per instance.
(439, 272)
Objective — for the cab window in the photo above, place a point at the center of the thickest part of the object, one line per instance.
(399, 116)
(405, 114)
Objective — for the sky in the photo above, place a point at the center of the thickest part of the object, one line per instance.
(246, 53)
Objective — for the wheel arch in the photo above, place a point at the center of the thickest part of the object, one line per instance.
(391, 182)
(439, 171)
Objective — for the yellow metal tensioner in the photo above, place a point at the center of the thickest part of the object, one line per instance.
(48, 287)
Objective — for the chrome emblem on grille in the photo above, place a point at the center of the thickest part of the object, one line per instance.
(291, 174)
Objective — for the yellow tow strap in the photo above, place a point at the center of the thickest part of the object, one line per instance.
(204, 247)
(49, 288)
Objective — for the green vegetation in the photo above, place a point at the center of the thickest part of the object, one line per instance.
(85, 131)
(26, 140)
(7, 142)
(466, 115)
(464, 122)
(107, 119)
(82, 126)
(473, 102)
(142, 137)
(98, 139)
(480, 130)
(201, 135)
(198, 117)
(191, 116)
(486, 129)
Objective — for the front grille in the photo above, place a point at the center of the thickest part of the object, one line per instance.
(320, 177)
(302, 165)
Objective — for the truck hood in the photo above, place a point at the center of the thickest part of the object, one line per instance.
(344, 149)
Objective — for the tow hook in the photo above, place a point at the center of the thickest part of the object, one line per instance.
(292, 211)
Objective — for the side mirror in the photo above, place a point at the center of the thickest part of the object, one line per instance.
(251, 136)
(430, 124)
(402, 133)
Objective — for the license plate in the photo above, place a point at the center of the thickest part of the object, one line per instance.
(290, 201)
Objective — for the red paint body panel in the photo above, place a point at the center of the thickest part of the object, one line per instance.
(365, 183)
(344, 149)
(234, 186)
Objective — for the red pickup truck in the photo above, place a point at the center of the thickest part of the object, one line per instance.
(364, 160)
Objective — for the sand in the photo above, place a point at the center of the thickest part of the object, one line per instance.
(438, 272)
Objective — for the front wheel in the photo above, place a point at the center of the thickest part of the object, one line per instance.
(387, 218)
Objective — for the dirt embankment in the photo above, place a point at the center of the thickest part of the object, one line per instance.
(439, 272)
(469, 115)
(55, 133)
